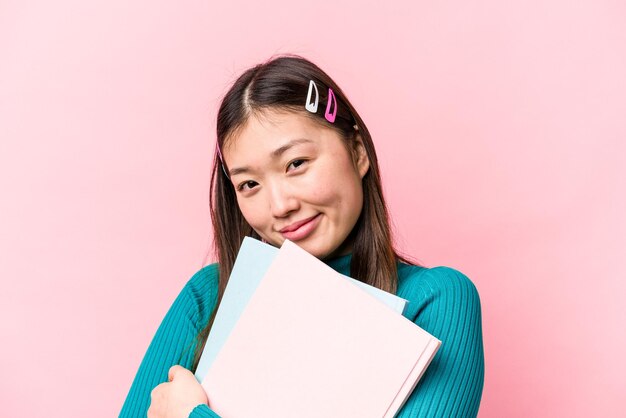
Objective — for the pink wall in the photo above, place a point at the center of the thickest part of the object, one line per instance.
(500, 128)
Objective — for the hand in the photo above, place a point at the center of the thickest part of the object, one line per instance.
(177, 397)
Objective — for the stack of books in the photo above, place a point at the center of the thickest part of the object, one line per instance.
(293, 337)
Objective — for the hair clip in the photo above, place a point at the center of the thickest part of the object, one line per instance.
(331, 98)
(312, 107)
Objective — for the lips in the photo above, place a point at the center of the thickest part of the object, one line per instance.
(300, 229)
(296, 225)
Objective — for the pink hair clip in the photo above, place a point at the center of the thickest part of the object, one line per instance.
(331, 98)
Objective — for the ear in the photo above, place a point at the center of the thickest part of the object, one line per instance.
(361, 160)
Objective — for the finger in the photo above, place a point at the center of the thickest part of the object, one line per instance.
(173, 371)
(156, 392)
(156, 400)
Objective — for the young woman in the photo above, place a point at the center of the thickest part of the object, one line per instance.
(295, 161)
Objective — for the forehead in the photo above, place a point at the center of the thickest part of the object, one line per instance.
(264, 132)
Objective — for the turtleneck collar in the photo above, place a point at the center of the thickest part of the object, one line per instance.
(340, 264)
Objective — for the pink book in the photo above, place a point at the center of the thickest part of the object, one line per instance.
(311, 344)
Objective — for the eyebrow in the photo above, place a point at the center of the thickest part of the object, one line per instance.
(274, 154)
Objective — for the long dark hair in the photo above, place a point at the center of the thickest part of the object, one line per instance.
(282, 83)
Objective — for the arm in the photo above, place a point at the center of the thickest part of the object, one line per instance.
(174, 343)
(445, 303)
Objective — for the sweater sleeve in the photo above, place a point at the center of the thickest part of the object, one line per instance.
(445, 303)
(174, 342)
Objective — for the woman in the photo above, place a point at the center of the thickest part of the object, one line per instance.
(296, 161)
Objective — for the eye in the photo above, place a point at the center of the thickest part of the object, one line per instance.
(246, 185)
(295, 164)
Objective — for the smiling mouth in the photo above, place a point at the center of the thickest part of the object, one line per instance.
(301, 229)
(296, 225)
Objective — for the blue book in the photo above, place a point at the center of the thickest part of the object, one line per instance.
(253, 260)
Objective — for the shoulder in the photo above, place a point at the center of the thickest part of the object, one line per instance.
(433, 279)
(201, 291)
(440, 276)
(203, 279)
(442, 288)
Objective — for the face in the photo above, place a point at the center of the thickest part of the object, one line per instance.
(296, 179)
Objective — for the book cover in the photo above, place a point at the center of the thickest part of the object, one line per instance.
(309, 345)
(253, 260)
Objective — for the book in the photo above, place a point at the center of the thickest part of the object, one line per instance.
(309, 343)
(253, 260)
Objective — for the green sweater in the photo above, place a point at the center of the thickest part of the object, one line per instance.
(442, 300)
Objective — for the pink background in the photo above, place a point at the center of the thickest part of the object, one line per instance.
(500, 128)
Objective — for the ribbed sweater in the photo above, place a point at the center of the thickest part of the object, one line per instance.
(442, 300)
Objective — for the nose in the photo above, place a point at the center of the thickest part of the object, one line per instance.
(283, 200)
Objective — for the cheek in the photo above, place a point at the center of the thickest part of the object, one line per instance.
(321, 190)
(253, 214)
(335, 188)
